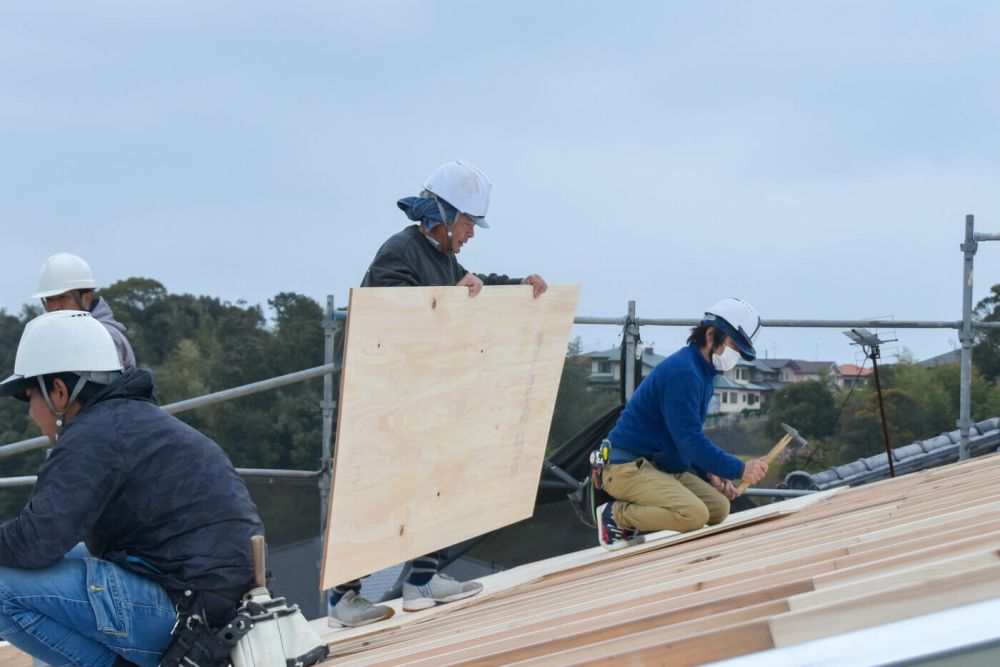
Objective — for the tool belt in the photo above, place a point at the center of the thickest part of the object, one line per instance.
(194, 641)
(262, 632)
(589, 494)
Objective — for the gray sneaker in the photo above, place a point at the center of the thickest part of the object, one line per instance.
(353, 610)
(441, 588)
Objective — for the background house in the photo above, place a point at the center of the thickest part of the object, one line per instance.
(732, 397)
(606, 367)
(847, 375)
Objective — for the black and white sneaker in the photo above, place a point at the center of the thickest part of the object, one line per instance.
(610, 535)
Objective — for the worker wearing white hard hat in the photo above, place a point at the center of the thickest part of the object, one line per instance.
(453, 202)
(663, 472)
(67, 283)
(135, 516)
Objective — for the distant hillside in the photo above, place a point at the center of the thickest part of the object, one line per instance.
(744, 440)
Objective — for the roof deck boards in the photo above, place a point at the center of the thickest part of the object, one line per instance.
(783, 574)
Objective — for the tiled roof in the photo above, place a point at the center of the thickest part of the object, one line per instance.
(814, 366)
(919, 455)
(722, 382)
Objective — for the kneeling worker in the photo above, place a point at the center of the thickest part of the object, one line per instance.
(164, 518)
(663, 472)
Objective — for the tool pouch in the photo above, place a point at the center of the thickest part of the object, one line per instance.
(279, 635)
(585, 499)
(194, 644)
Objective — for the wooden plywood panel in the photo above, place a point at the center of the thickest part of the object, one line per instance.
(445, 408)
(12, 657)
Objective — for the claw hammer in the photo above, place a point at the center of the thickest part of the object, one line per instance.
(791, 435)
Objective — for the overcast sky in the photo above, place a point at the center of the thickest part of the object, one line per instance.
(814, 158)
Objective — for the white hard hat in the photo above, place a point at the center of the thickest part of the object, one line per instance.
(738, 319)
(61, 273)
(464, 186)
(64, 341)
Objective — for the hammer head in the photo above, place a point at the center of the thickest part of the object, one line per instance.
(797, 440)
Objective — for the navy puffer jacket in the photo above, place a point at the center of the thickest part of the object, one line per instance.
(142, 489)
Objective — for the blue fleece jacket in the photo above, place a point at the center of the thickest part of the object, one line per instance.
(663, 420)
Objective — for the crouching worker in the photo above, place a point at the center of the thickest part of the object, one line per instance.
(663, 472)
(134, 517)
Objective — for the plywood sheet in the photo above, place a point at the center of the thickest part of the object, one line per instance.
(445, 407)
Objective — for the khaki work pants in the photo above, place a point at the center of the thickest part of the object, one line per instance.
(649, 499)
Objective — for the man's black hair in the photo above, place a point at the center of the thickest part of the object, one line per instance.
(699, 336)
(70, 380)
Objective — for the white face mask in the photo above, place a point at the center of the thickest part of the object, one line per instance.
(727, 360)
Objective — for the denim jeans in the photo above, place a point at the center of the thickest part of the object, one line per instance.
(84, 611)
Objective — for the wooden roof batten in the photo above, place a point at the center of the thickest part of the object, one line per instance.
(777, 576)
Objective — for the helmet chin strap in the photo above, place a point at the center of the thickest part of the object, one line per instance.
(449, 226)
(58, 414)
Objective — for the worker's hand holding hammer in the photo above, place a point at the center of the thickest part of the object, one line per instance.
(724, 486)
(754, 471)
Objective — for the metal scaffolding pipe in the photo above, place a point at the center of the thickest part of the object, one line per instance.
(777, 493)
(793, 323)
(965, 337)
(249, 473)
(16, 482)
(631, 338)
(248, 389)
(200, 401)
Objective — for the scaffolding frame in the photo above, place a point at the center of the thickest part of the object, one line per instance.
(631, 340)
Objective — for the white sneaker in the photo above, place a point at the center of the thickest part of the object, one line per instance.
(353, 610)
(440, 589)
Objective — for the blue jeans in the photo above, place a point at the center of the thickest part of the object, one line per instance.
(84, 611)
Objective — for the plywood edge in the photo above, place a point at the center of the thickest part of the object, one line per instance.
(325, 580)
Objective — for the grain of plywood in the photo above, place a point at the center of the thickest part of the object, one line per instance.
(445, 407)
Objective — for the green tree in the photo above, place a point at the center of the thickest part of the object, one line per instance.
(15, 424)
(986, 351)
(809, 407)
(930, 388)
(860, 431)
(576, 405)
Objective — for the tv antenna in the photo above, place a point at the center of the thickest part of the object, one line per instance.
(870, 344)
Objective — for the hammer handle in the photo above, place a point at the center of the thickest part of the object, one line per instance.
(771, 455)
(257, 547)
